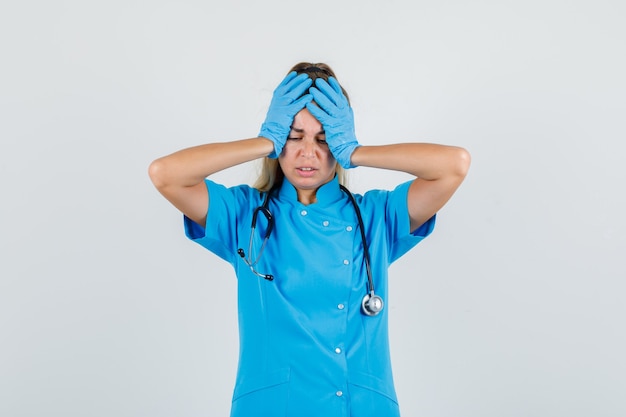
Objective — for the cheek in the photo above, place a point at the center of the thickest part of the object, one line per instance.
(328, 155)
(331, 163)
(287, 149)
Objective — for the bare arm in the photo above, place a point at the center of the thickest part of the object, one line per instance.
(180, 176)
(439, 170)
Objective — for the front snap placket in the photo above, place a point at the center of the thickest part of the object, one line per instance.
(321, 237)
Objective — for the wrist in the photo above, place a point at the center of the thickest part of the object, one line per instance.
(343, 154)
(265, 145)
(276, 135)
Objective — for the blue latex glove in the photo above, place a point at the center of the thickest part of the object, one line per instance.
(287, 101)
(335, 114)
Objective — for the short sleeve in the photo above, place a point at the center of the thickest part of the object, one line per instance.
(398, 223)
(226, 206)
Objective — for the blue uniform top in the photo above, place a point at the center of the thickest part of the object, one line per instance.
(305, 347)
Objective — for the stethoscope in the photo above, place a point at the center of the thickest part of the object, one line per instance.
(371, 304)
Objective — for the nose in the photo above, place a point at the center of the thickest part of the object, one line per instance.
(308, 149)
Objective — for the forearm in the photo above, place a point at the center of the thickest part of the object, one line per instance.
(191, 166)
(423, 160)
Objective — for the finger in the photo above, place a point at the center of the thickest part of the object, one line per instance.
(323, 101)
(328, 91)
(342, 100)
(299, 104)
(317, 112)
(292, 79)
(332, 81)
(298, 86)
(287, 79)
(335, 85)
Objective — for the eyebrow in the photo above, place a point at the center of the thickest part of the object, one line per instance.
(321, 132)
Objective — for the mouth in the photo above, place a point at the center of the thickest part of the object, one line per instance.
(306, 171)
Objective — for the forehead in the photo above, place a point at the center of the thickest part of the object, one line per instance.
(306, 122)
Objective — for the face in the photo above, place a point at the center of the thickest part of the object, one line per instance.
(306, 160)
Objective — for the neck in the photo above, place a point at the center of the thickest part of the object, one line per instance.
(307, 197)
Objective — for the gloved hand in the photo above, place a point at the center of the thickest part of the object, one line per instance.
(286, 103)
(335, 114)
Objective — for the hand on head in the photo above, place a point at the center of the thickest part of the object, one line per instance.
(336, 116)
(288, 99)
(331, 108)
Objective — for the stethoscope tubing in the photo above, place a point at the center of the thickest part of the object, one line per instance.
(372, 304)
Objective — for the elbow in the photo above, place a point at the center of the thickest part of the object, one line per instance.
(462, 162)
(156, 172)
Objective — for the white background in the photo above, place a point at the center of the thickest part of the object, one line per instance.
(512, 308)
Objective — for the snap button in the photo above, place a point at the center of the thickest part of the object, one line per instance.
(341, 306)
(349, 228)
(303, 212)
(337, 350)
(346, 262)
(326, 223)
(339, 393)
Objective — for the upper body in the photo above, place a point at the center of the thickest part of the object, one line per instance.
(305, 345)
(304, 332)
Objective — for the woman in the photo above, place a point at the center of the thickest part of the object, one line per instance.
(310, 257)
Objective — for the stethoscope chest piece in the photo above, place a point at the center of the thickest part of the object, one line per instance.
(372, 304)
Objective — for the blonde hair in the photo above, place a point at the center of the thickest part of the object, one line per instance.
(271, 175)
